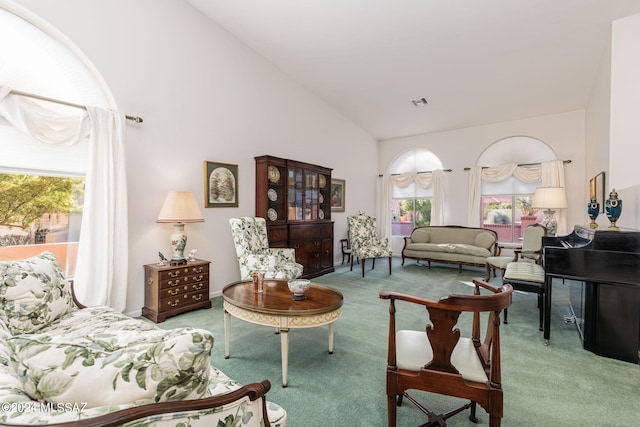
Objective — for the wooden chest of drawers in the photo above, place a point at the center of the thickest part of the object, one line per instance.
(174, 289)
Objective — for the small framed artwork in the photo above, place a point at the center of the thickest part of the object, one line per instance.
(337, 195)
(597, 190)
(220, 185)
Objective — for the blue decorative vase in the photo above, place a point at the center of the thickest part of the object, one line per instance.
(613, 208)
(593, 209)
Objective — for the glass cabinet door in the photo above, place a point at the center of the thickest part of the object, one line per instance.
(296, 194)
(304, 195)
(311, 196)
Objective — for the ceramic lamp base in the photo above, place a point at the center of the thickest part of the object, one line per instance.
(550, 223)
(178, 242)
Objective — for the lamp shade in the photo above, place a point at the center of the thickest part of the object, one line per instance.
(550, 198)
(180, 207)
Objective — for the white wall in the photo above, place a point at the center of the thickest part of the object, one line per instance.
(597, 131)
(203, 95)
(624, 150)
(461, 148)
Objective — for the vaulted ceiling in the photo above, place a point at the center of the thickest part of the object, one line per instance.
(475, 61)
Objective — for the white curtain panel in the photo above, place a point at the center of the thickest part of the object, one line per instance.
(550, 173)
(101, 272)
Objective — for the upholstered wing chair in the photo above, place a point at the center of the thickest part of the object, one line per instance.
(365, 243)
(254, 253)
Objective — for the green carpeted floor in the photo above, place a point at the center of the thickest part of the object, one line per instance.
(558, 385)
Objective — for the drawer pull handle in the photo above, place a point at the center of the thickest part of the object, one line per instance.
(174, 292)
(174, 273)
(198, 278)
(176, 283)
(197, 297)
(174, 303)
(197, 287)
(197, 270)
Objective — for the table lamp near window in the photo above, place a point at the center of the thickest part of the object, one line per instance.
(179, 208)
(549, 199)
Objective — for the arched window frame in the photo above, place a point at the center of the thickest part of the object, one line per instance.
(528, 163)
(415, 177)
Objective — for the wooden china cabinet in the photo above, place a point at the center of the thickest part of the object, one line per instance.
(294, 198)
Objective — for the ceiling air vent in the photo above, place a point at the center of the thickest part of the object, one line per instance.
(420, 102)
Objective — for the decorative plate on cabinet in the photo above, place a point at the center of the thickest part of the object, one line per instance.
(272, 195)
(321, 214)
(322, 180)
(272, 214)
(273, 173)
(321, 198)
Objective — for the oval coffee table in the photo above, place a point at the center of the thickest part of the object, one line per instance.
(274, 307)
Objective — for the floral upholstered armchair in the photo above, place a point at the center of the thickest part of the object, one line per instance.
(254, 253)
(365, 243)
(63, 362)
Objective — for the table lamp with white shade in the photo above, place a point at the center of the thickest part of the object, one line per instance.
(550, 199)
(179, 208)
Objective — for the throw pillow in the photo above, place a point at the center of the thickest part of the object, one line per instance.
(114, 367)
(33, 293)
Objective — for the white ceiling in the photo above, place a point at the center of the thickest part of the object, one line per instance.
(476, 61)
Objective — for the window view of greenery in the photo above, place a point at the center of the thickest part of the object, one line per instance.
(40, 210)
(408, 214)
(509, 215)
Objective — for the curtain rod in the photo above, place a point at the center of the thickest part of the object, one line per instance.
(443, 170)
(69, 104)
(521, 164)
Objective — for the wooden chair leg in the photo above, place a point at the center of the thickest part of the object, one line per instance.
(389, 265)
(472, 415)
(391, 411)
(362, 262)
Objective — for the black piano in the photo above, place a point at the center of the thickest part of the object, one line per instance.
(603, 268)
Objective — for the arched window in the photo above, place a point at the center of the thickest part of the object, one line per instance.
(37, 63)
(51, 91)
(411, 205)
(506, 205)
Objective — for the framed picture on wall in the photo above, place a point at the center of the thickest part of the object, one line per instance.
(337, 195)
(220, 185)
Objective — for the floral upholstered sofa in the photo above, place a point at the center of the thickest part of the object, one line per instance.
(65, 364)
